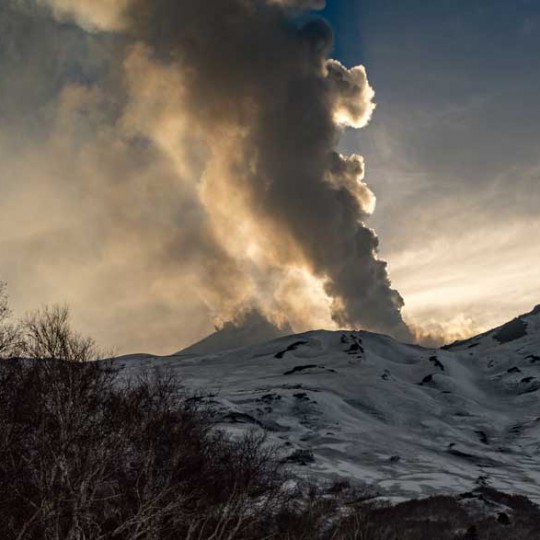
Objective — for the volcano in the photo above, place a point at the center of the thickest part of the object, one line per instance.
(407, 420)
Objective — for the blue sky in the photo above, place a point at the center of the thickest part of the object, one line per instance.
(452, 151)
(448, 58)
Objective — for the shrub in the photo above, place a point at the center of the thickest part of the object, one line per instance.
(47, 334)
(9, 332)
(82, 457)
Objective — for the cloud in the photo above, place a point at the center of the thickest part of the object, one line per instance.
(348, 172)
(302, 4)
(94, 15)
(194, 176)
(354, 104)
(438, 332)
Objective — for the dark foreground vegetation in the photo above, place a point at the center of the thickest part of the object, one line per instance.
(87, 455)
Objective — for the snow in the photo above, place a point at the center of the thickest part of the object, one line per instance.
(407, 420)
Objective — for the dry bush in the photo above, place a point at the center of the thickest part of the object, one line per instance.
(85, 455)
(82, 458)
(444, 518)
(43, 334)
(10, 338)
(47, 334)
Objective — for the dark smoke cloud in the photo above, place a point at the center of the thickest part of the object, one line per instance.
(199, 154)
(302, 4)
(250, 66)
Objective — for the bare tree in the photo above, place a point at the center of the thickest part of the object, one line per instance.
(10, 335)
(47, 334)
(82, 457)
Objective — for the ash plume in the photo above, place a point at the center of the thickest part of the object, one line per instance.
(217, 123)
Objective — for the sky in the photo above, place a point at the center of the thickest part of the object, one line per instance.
(98, 209)
(452, 150)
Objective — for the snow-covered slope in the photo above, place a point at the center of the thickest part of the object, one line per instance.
(409, 420)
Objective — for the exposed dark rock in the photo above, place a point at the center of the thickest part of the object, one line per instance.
(471, 458)
(297, 369)
(483, 437)
(511, 331)
(290, 348)
(436, 362)
(355, 348)
(533, 388)
(300, 457)
(240, 418)
(269, 398)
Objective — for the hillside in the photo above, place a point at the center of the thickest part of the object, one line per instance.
(408, 420)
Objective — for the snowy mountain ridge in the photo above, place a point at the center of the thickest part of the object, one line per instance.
(408, 420)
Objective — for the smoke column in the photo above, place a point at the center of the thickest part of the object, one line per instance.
(218, 123)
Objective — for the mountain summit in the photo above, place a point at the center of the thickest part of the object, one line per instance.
(408, 420)
(252, 328)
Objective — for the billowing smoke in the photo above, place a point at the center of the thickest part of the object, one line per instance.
(209, 142)
(92, 15)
